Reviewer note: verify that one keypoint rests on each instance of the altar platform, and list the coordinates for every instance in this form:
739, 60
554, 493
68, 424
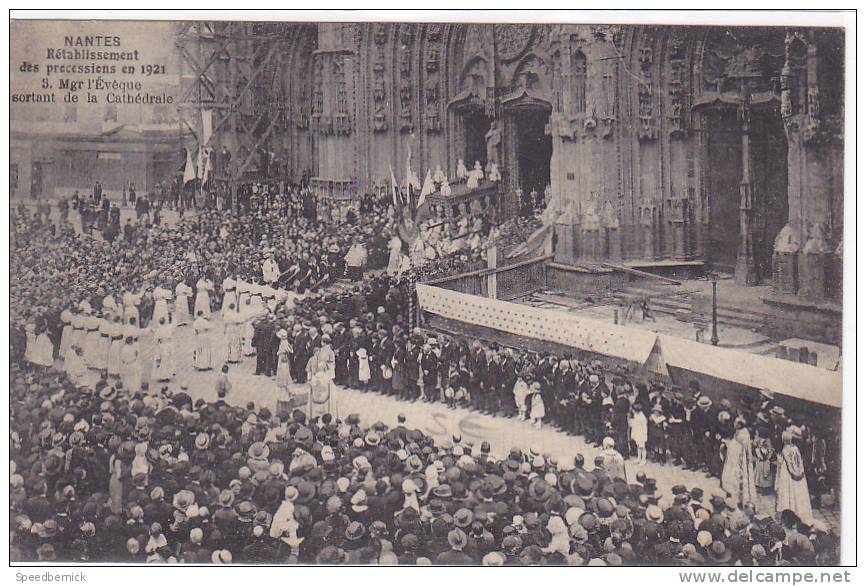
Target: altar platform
461, 195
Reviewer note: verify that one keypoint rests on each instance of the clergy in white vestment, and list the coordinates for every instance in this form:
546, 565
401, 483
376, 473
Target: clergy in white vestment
130, 366
202, 351
270, 269
163, 355
203, 287
116, 346
462, 173
182, 293
79, 331
738, 471
130, 308
284, 371
476, 176
230, 297
321, 397
326, 356
109, 303
439, 175
232, 321
160, 304
242, 288
257, 302
792, 490
614, 463
75, 367
103, 343
395, 248
269, 295
91, 341
65, 335
248, 316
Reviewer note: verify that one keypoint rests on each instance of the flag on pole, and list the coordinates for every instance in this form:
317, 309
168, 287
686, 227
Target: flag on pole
206, 125
427, 189
189, 170
393, 187
208, 167
411, 178
199, 163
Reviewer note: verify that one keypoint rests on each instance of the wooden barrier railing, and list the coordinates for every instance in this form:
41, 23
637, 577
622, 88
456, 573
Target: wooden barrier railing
512, 280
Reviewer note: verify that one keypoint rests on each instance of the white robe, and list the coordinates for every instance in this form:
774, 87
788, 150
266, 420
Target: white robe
115, 348
43, 350
91, 343
270, 271
537, 411
163, 355
234, 344
284, 373
321, 395
363, 367
202, 352
76, 369
521, 390
202, 298
738, 471
65, 343
160, 306
130, 368
248, 316
395, 246
639, 429
181, 304
230, 297
792, 489
103, 346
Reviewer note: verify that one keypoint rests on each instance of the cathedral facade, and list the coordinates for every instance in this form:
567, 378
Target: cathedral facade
658, 143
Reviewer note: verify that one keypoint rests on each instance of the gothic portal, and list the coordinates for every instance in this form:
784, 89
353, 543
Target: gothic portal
721, 145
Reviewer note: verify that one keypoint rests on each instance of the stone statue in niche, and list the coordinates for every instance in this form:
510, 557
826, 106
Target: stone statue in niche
493, 138
591, 220
609, 218
786, 241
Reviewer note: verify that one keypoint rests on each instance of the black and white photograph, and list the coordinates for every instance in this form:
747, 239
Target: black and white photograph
430, 290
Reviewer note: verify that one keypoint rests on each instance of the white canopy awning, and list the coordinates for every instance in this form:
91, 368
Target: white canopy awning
794, 379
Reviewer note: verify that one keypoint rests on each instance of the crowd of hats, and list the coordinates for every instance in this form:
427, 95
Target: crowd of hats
155, 477
56, 268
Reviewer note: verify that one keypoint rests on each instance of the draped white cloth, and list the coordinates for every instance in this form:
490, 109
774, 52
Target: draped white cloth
738, 472
792, 489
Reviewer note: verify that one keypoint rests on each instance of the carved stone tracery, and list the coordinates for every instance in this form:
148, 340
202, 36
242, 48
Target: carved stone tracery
380, 111
432, 81
512, 40
407, 39
647, 128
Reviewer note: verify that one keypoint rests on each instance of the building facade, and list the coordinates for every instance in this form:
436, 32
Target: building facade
66, 146
659, 143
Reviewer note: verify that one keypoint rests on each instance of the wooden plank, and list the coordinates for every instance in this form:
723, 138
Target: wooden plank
625, 269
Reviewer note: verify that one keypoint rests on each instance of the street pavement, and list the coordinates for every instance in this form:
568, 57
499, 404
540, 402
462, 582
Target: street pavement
435, 419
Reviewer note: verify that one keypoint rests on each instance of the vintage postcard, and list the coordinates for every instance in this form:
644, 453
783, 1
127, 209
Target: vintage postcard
417, 291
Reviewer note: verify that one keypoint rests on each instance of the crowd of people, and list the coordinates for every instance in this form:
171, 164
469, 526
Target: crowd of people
107, 475
124, 469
